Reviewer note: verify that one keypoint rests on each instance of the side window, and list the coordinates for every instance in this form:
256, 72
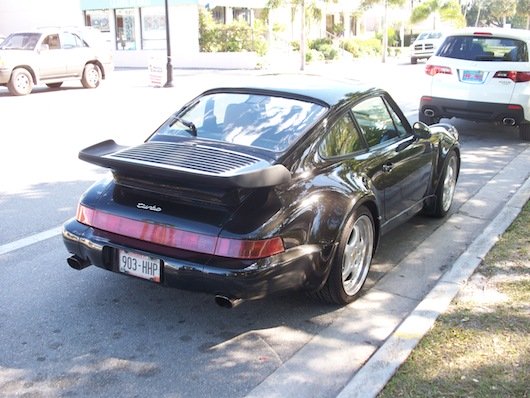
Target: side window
52, 41
343, 138
69, 40
376, 123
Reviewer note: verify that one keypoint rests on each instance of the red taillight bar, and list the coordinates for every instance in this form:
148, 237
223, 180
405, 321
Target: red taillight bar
515, 76
432, 70
173, 237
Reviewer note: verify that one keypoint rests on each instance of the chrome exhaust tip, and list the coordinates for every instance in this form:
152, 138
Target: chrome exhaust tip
227, 302
428, 112
78, 263
508, 121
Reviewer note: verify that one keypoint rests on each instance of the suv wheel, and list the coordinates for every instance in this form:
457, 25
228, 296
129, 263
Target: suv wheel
413, 60
21, 82
524, 132
91, 76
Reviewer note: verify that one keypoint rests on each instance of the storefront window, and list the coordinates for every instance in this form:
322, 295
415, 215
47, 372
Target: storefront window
126, 29
153, 28
98, 19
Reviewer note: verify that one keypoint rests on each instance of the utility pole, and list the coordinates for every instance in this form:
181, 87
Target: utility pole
385, 32
169, 66
302, 37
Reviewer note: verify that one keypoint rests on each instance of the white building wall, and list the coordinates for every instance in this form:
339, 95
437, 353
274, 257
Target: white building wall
18, 15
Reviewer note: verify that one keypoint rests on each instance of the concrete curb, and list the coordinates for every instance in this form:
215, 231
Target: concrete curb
380, 368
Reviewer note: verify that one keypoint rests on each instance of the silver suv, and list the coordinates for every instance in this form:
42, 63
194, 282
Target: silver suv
52, 56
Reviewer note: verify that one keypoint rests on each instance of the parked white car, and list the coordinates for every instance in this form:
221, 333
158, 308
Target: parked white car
425, 45
51, 56
480, 74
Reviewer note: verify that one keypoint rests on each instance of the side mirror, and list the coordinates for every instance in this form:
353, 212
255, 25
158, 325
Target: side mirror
44, 47
421, 130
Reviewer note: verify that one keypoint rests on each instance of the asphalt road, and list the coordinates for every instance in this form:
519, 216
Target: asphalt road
93, 333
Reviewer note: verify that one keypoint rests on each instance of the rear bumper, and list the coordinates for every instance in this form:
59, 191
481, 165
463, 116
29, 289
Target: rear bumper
472, 110
300, 268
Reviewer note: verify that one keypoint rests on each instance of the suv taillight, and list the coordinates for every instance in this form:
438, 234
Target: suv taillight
432, 70
517, 77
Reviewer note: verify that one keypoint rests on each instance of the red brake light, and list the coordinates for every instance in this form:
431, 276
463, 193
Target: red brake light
173, 237
482, 33
517, 77
432, 70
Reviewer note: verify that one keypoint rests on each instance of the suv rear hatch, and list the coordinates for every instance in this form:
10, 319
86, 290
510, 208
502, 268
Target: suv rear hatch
479, 68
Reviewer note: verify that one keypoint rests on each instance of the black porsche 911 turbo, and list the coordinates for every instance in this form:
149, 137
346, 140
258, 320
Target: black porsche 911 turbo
284, 183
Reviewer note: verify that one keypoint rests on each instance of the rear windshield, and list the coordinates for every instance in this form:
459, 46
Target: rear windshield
262, 121
481, 48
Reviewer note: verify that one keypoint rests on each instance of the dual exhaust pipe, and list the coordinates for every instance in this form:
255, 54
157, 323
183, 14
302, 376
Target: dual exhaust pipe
507, 121
428, 112
227, 302
78, 263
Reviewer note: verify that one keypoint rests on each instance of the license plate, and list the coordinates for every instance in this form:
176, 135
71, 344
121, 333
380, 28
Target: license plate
139, 265
473, 76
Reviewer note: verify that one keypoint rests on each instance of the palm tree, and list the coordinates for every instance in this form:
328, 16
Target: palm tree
447, 10
306, 8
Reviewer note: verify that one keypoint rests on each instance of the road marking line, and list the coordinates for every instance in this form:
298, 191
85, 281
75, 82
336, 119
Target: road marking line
30, 240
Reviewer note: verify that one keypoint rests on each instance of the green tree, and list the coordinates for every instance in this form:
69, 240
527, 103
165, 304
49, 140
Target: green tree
309, 10
523, 9
386, 3
502, 10
446, 10
493, 12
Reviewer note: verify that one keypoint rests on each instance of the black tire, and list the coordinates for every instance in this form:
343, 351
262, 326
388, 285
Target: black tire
21, 82
91, 76
524, 132
54, 85
352, 260
441, 204
413, 60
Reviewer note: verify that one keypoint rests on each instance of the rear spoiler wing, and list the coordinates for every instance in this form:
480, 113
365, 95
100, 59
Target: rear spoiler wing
186, 163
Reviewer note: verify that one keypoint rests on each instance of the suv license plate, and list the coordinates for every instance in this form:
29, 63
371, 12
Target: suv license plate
473, 76
139, 265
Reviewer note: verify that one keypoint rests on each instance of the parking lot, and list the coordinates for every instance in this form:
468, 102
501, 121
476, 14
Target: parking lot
92, 333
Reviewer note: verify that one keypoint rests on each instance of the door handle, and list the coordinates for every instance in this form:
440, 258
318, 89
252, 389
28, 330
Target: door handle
387, 168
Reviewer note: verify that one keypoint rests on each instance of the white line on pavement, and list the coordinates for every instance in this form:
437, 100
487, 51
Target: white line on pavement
30, 240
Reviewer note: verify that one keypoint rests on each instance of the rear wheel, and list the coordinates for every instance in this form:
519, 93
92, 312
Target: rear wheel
413, 60
21, 82
446, 188
91, 76
352, 260
524, 132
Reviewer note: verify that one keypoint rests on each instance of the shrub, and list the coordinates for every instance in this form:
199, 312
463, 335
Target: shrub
362, 47
313, 55
234, 37
325, 47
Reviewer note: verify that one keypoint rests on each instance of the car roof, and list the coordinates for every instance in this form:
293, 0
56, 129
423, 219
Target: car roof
328, 91
504, 32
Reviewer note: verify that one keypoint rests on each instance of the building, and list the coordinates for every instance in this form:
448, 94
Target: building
136, 29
